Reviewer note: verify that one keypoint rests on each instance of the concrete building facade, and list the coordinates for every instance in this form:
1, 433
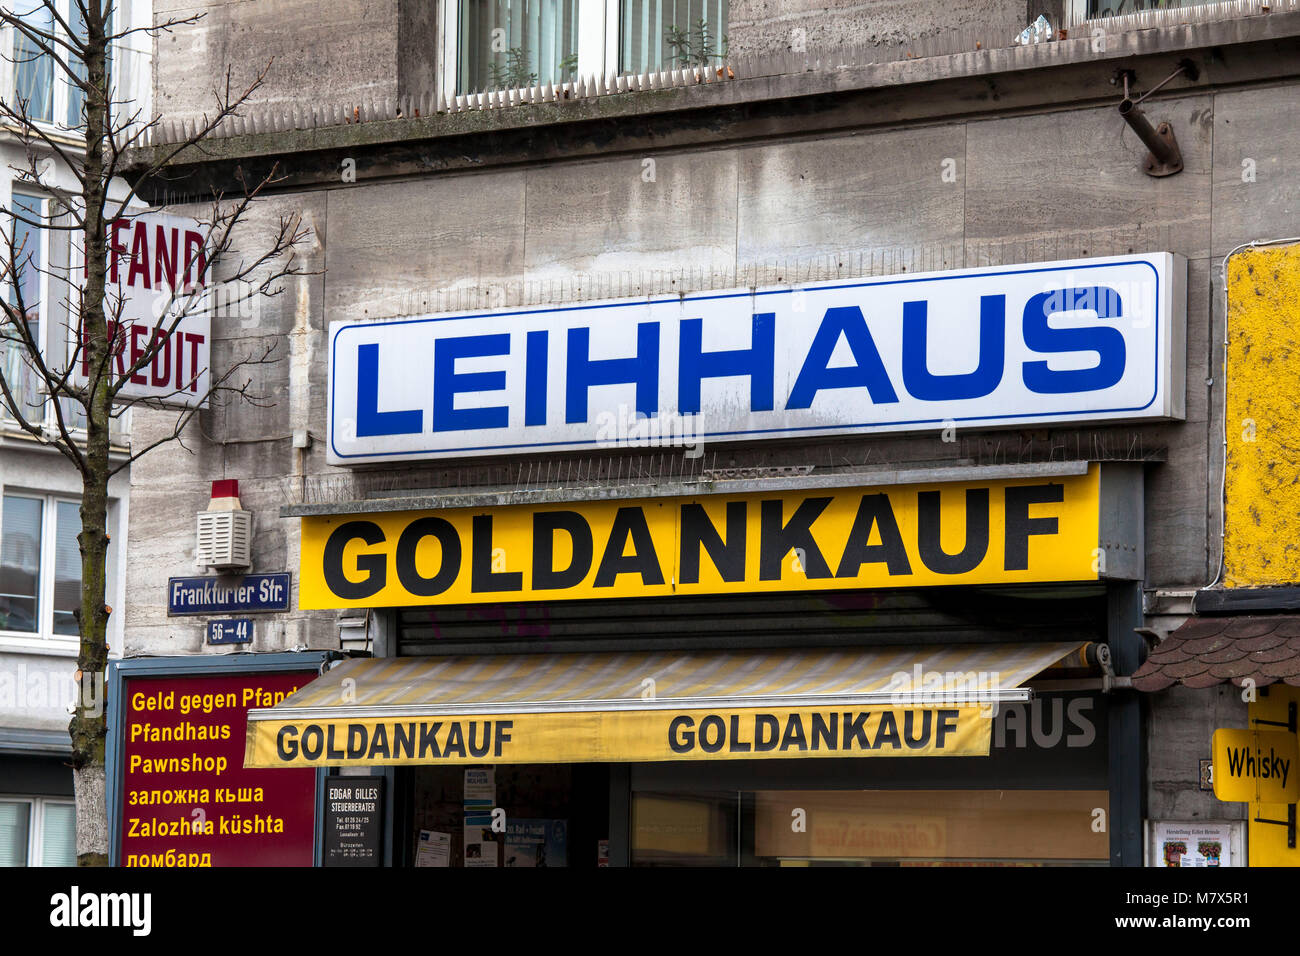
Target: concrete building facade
835, 142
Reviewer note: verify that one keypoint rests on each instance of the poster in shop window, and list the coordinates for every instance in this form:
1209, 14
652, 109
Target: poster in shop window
481, 846
536, 843
1192, 844
433, 849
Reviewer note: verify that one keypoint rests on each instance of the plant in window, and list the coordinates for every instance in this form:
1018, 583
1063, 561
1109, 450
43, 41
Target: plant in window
568, 67
694, 46
514, 73
1122, 7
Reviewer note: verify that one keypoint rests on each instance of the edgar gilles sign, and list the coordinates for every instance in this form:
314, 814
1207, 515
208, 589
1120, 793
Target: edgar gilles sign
1073, 341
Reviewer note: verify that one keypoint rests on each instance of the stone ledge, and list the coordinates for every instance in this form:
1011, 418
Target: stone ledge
823, 81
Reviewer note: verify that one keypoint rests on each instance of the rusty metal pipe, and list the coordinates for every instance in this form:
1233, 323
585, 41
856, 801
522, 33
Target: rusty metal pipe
1165, 157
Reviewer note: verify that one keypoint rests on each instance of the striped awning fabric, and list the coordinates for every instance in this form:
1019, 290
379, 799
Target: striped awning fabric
532, 683
403, 694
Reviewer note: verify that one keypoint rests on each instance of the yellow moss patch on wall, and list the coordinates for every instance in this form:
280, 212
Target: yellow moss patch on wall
1262, 496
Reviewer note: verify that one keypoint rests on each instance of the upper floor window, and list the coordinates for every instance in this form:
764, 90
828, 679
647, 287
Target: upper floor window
30, 257
508, 44
41, 268
1091, 9
515, 43
50, 95
33, 68
657, 35
40, 565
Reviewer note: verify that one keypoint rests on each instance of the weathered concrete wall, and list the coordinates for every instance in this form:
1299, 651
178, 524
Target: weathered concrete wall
783, 26
312, 53
1261, 545
1183, 721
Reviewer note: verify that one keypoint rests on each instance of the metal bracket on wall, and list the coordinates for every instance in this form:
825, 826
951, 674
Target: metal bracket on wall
1289, 822
1289, 723
1164, 158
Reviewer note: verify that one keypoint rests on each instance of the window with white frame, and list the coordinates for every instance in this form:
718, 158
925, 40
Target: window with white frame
38, 831
49, 95
40, 565
508, 44
1081, 10
41, 266
25, 294
27, 73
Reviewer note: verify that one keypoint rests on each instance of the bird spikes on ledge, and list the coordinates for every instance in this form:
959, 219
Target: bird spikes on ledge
967, 42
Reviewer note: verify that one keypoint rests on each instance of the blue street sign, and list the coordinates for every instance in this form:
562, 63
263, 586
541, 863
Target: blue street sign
227, 594
232, 631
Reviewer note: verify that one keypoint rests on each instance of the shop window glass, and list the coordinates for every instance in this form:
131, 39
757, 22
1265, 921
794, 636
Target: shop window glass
931, 827
870, 828
15, 820
697, 829
556, 815
648, 27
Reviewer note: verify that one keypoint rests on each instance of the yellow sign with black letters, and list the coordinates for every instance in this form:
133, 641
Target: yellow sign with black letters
628, 735
1256, 766
1004, 531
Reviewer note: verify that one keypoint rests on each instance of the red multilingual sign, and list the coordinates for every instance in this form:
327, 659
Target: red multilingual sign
186, 798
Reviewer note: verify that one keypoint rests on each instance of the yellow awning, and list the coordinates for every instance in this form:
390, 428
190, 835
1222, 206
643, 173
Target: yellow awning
617, 707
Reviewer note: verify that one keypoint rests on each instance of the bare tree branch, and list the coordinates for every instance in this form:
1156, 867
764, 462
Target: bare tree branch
78, 365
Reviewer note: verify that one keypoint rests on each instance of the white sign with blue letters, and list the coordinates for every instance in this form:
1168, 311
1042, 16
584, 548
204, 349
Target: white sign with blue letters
1085, 340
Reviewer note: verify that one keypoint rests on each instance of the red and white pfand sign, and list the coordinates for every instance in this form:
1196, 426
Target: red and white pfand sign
157, 289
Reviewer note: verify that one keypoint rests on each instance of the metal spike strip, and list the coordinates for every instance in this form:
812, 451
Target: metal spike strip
966, 41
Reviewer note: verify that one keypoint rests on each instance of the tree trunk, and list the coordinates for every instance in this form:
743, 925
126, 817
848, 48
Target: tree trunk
89, 727
92, 828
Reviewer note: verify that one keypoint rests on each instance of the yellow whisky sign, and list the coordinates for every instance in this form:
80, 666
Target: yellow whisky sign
1256, 766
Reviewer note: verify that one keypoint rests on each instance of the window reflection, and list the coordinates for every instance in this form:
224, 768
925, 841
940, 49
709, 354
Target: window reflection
870, 828
67, 568
20, 564
29, 264
509, 44
34, 69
